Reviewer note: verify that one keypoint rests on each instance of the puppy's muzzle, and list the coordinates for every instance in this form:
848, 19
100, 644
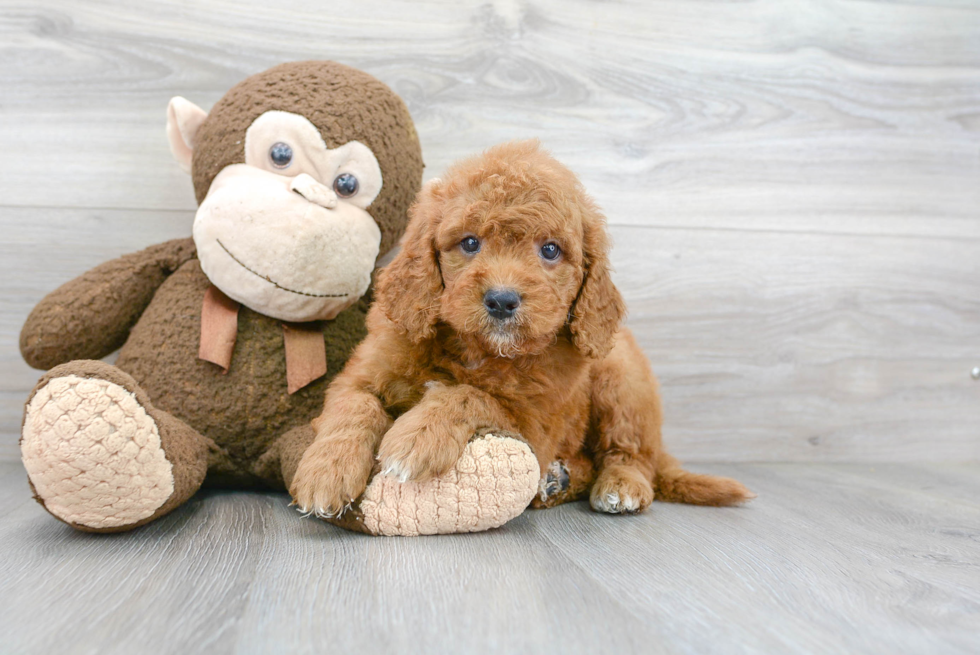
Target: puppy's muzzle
501, 303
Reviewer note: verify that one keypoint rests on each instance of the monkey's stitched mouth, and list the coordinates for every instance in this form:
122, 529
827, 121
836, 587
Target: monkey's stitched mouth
276, 284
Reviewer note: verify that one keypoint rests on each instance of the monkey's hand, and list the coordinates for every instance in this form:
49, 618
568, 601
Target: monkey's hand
91, 316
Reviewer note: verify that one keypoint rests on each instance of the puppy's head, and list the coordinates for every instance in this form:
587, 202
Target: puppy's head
508, 250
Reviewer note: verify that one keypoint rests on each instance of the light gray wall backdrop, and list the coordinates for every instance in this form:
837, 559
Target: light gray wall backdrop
793, 188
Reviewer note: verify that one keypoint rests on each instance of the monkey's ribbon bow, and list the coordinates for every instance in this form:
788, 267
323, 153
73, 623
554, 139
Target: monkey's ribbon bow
306, 353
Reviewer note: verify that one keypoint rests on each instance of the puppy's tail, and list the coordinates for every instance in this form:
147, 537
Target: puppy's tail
675, 485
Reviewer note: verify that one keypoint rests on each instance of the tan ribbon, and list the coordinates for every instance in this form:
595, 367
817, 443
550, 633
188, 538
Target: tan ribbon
219, 328
306, 352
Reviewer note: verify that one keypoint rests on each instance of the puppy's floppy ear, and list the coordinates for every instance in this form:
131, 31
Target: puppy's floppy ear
409, 288
599, 309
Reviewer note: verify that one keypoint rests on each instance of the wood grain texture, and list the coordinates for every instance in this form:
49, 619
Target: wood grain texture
792, 186
830, 558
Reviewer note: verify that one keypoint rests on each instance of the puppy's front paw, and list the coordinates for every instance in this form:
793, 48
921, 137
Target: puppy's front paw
420, 446
621, 490
331, 475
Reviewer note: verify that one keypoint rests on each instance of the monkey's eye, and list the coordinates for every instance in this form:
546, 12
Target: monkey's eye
281, 155
550, 251
470, 245
345, 185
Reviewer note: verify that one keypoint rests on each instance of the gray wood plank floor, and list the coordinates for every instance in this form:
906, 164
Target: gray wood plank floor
831, 558
792, 190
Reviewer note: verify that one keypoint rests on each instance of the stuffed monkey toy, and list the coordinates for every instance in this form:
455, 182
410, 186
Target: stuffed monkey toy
303, 176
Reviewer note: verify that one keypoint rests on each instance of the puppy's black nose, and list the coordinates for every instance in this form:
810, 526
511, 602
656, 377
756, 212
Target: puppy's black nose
501, 303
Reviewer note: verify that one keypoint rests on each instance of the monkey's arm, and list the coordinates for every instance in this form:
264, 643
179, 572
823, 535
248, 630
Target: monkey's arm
91, 316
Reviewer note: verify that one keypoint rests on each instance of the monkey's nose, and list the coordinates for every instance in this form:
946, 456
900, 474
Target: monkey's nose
307, 186
501, 303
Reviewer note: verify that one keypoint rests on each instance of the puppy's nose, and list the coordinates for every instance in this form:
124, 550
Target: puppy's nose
501, 303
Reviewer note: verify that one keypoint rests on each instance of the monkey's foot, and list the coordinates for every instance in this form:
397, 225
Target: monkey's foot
493, 481
93, 454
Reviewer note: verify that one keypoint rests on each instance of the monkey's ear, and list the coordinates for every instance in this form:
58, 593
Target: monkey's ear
184, 118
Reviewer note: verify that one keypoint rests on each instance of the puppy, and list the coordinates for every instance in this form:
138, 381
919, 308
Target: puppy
499, 312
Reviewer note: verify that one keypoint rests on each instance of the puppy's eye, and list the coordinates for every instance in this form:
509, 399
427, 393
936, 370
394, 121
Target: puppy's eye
281, 155
550, 251
470, 245
345, 185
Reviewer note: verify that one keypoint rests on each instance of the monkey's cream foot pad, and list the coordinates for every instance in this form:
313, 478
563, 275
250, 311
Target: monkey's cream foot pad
492, 482
93, 454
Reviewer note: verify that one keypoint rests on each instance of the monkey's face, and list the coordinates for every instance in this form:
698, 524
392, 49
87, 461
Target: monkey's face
287, 233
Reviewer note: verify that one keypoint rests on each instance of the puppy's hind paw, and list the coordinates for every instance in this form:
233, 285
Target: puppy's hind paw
613, 503
621, 490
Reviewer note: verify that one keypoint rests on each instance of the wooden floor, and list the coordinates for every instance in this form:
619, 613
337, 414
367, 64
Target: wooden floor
793, 191
829, 559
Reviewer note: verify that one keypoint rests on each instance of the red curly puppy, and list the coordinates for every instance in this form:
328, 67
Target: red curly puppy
500, 312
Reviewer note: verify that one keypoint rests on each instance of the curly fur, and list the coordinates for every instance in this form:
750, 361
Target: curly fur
436, 366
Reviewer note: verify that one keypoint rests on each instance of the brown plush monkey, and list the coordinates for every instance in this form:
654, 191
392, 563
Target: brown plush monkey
303, 175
